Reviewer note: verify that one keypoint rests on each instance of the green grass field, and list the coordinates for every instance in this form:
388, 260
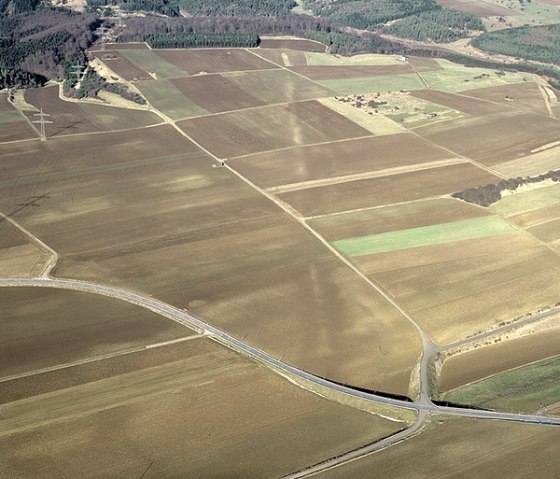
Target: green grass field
527, 201
380, 83
455, 78
149, 61
322, 59
525, 389
424, 236
167, 98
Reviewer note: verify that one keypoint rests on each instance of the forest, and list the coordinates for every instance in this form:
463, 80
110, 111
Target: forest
440, 25
541, 43
174, 8
368, 14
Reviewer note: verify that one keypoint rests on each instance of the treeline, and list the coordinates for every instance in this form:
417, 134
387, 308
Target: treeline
440, 25
199, 40
173, 8
274, 8
163, 7
540, 43
490, 194
34, 45
368, 14
336, 38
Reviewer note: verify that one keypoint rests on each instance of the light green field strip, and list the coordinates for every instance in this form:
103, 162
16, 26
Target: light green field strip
324, 59
92, 170
424, 236
10, 117
455, 78
527, 201
166, 97
525, 389
149, 61
376, 124
380, 83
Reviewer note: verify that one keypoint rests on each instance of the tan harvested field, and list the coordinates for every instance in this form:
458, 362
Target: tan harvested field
123, 67
461, 369
525, 95
244, 265
287, 44
386, 190
44, 327
215, 93
463, 448
191, 409
536, 217
500, 137
471, 106
533, 164
264, 129
331, 160
479, 7
438, 284
214, 60
70, 117
327, 72
18, 257
394, 218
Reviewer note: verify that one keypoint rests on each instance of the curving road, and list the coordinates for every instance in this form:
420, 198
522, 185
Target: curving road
176, 314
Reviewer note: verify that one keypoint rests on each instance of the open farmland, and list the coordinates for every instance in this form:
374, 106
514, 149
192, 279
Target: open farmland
462, 448
12, 124
74, 117
436, 268
265, 129
132, 389
408, 186
481, 8
120, 65
214, 61
18, 256
130, 220
500, 137
298, 165
310, 232
530, 388
497, 355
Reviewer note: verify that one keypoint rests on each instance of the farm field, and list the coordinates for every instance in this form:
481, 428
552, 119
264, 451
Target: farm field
265, 129
379, 191
239, 253
316, 228
120, 65
74, 117
12, 124
185, 406
461, 448
436, 268
332, 160
18, 256
496, 355
501, 137
530, 388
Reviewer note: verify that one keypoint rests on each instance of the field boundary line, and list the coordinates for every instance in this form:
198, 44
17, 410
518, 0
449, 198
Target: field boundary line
100, 357
309, 145
54, 256
310, 184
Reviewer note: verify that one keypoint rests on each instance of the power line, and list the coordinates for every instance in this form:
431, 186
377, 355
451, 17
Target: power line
42, 121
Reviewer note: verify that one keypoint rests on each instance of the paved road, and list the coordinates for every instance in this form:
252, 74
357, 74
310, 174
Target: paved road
422, 405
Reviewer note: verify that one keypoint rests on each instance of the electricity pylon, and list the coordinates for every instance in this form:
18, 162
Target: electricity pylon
42, 122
